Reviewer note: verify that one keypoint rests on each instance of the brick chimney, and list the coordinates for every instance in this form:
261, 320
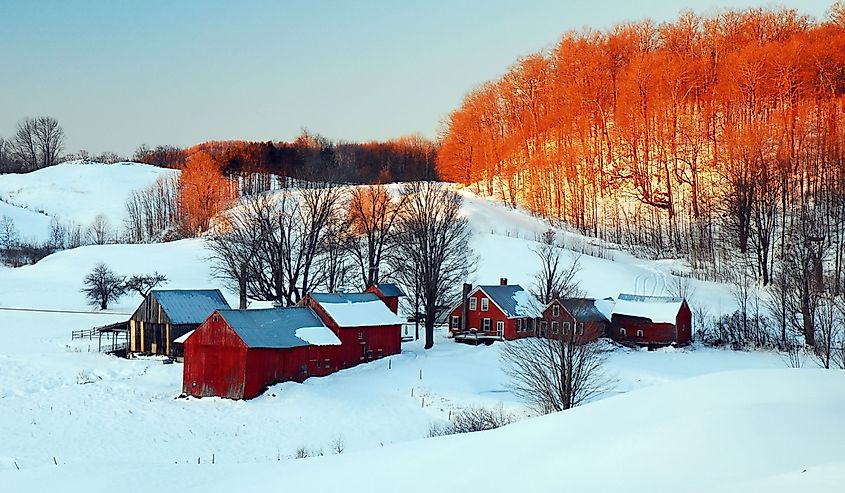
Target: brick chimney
503, 281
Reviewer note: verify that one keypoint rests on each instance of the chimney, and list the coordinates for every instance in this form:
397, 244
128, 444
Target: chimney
503, 281
374, 274
465, 306
555, 295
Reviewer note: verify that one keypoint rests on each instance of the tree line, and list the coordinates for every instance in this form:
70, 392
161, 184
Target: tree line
718, 139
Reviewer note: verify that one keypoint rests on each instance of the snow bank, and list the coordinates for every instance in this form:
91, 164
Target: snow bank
318, 336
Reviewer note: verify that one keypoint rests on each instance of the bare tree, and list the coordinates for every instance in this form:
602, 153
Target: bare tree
433, 246
555, 374
372, 212
144, 283
102, 286
555, 277
38, 142
100, 231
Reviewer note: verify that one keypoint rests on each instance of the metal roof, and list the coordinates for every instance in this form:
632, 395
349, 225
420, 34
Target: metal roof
272, 327
189, 306
583, 309
344, 297
389, 289
513, 300
658, 309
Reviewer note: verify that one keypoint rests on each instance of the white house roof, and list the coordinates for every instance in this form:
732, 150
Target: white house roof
658, 309
356, 309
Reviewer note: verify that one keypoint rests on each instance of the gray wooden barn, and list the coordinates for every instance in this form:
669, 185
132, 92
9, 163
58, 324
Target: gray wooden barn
167, 314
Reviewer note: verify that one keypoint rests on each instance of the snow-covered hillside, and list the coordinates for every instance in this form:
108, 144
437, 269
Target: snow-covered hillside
671, 421
72, 192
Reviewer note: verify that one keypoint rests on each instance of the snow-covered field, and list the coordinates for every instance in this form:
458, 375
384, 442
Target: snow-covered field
675, 420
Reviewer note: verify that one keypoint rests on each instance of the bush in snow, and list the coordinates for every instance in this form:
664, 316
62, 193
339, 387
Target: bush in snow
470, 420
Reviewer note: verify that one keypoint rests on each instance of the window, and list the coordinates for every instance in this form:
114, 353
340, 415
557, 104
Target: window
580, 328
622, 331
485, 304
565, 328
543, 328
216, 317
556, 310
456, 322
360, 336
485, 324
473, 303
500, 328
639, 333
328, 364
554, 327
519, 322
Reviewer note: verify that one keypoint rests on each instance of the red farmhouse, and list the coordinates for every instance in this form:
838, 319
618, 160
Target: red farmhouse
238, 353
366, 327
651, 320
387, 292
504, 311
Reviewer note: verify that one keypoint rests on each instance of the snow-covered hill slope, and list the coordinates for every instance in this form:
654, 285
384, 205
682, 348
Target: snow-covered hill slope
75, 191
773, 431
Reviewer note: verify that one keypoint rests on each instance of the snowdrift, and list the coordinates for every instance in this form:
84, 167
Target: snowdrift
764, 430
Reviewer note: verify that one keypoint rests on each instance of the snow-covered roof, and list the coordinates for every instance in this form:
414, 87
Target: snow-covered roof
389, 289
184, 337
513, 300
277, 328
318, 336
356, 309
190, 306
658, 309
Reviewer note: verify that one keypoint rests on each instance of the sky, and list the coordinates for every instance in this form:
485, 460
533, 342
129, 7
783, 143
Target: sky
118, 74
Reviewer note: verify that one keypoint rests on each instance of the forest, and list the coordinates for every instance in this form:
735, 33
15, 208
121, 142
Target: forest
717, 139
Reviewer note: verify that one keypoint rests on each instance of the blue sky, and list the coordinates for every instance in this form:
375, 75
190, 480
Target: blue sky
117, 74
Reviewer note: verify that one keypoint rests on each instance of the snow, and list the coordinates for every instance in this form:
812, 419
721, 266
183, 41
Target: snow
657, 312
362, 313
184, 337
77, 191
318, 336
670, 419
527, 305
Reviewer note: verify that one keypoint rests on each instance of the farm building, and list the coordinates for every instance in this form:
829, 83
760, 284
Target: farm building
366, 327
389, 293
495, 312
238, 353
167, 314
580, 315
651, 320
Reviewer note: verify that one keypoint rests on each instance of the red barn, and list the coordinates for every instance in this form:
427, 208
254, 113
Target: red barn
651, 320
389, 293
496, 312
580, 315
366, 327
238, 353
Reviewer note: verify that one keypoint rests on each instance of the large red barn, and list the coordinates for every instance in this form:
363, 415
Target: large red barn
503, 311
651, 320
238, 353
366, 327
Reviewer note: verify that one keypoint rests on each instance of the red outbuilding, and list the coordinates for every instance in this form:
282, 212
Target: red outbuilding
366, 327
388, 292
651, 320
580, 315
238, 353
496, 312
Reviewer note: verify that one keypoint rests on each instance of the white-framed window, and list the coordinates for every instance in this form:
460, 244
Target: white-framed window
554, 327
622, 331
500, 328
456, 322
555, 310
580, 328
519, 322
473, 303
566, 328
485, 324
360, 336
485, 304
216, 317
639, 333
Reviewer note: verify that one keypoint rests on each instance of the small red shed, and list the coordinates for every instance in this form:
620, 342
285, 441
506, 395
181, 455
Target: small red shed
389, 293
366, 327
238, 353
651, 320
503, 311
